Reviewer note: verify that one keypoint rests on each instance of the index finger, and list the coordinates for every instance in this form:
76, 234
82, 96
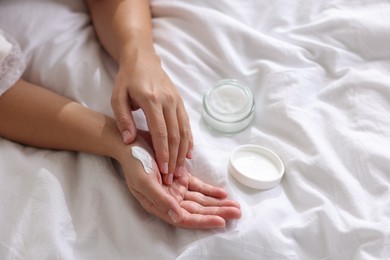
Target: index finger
158, 131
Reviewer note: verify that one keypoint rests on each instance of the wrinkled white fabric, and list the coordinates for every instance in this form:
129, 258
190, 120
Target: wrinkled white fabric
11, 62
319, 72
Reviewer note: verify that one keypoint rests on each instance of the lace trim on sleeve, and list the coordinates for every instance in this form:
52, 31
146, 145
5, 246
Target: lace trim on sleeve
11, 66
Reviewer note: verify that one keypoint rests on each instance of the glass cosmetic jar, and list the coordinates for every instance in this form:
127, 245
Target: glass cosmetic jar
228, 106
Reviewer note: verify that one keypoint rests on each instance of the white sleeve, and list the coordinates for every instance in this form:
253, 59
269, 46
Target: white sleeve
12, 63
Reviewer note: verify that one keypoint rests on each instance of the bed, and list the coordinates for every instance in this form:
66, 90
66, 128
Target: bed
319, 72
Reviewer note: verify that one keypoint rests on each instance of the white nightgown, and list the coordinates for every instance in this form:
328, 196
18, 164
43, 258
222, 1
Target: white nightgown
12, 63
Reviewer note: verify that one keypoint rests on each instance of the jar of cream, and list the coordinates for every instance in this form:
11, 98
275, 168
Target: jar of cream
228, 106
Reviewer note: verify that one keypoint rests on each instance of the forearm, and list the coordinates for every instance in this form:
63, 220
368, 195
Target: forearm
35, 116
125, 30
123, 26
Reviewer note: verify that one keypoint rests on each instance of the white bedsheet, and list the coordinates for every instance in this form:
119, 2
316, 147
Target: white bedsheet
319, 71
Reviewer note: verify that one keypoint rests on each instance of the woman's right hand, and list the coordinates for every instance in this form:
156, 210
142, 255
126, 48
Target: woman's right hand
141, 83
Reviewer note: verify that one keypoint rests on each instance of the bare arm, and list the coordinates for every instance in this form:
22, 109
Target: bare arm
125, 30
35, 116
122, 26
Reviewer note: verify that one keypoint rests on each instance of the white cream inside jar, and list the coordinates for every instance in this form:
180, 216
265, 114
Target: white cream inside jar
228, 106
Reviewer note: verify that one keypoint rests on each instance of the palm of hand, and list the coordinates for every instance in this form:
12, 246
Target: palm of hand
188, 202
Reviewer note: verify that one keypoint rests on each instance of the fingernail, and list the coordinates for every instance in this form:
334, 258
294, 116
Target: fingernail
170, 178
189, 154
172, 215
126, 135
180, 171
165, 168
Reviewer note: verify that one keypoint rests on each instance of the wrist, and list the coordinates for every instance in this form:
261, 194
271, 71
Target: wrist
123, 153
135, 53
111, 141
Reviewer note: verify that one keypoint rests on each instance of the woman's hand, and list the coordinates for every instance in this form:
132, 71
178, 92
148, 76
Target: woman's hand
188, 202
142, 83
125, 30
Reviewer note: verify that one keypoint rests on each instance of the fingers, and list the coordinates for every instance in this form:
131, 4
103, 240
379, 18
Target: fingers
186, 140
165, 114
197, 217
158, 131
156, 201
200, 221
208, 201
203, 198
174, 138
225, 212
185, 209
199, 186
171, 136
192, 215
123, 116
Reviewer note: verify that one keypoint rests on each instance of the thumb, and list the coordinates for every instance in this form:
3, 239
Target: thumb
124, 119
128, 129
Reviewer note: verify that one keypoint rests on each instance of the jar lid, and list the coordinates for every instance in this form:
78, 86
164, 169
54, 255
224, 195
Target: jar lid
256, 166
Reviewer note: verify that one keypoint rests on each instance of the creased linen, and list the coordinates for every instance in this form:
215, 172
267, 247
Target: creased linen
319, 72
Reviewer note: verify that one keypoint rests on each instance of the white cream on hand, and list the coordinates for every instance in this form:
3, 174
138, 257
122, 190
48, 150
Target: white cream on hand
144, 157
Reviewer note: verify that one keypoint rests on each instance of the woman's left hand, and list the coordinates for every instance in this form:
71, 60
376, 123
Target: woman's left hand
187, 203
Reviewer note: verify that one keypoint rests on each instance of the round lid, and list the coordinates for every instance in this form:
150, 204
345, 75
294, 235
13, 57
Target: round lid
256, 166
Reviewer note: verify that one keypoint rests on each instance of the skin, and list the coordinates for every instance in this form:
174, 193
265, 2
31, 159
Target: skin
35, 116
125, 30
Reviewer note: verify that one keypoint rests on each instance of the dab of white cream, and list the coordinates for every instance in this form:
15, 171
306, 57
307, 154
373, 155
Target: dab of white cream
144, 157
